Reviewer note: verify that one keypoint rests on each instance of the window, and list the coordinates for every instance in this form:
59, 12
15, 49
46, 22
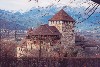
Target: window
34, 42
72, 30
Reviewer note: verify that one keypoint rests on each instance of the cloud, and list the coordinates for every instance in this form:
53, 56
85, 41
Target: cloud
25, 5
15, 5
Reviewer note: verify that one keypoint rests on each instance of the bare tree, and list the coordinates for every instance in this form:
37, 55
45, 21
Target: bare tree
8, 49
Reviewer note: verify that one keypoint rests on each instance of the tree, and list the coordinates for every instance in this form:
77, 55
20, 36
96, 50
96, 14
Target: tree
7, 49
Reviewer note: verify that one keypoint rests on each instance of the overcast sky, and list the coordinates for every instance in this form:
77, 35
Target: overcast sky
25, 5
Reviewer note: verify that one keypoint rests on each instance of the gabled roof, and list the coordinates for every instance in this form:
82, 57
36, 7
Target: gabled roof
61, 15
45, 30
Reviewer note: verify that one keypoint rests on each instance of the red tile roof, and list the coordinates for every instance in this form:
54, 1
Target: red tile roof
45, 30
61, 15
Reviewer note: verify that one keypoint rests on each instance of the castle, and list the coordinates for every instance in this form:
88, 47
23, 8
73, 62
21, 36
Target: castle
60, 30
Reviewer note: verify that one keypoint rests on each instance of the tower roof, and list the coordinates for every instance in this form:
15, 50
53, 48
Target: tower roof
61, 15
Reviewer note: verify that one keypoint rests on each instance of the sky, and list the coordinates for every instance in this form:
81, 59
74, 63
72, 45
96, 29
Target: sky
26, 5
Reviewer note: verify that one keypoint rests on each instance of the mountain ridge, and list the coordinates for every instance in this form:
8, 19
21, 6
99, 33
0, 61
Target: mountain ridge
36, 16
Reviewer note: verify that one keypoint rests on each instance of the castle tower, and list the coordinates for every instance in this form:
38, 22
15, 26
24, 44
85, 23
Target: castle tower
65, 24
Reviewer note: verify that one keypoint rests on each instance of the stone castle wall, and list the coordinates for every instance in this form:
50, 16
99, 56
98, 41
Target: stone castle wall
67, 31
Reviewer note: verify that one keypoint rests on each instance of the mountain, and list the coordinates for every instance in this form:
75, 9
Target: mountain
10, 25
37, 16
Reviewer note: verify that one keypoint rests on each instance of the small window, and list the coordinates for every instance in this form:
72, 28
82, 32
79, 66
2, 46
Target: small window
21, 49
34, 42
72, 30
51, 44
